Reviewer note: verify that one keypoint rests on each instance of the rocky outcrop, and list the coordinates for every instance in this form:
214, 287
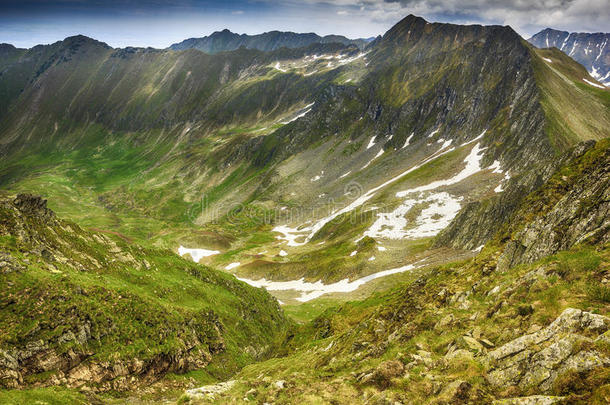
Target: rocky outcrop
210, 391
76, 367
479, 221
537, 359
582, 213
33, 206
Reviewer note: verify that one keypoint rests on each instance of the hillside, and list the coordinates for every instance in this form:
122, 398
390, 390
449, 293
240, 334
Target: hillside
225, 40
92, 310
592, 50
525, 322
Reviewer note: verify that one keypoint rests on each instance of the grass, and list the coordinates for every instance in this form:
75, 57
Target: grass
575, 111
137, 302
43, 396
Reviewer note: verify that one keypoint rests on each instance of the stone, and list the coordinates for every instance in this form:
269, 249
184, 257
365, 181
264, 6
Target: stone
486, 343
494, 290
444, 322
470, 343
538, 358
456, 392
459, 354
383, 374
531, 400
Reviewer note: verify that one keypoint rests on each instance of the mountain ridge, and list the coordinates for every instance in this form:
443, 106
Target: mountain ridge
225, 40
592, 50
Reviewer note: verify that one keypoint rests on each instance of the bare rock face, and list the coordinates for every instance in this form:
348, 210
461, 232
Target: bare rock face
32, 205
582, 213
537, 359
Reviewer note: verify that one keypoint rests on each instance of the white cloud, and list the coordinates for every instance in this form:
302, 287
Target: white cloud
526, 17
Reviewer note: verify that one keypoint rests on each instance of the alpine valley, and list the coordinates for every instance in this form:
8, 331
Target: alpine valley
421, 217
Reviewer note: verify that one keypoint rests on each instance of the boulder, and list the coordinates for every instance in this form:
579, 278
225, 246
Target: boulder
456, 392
537, 359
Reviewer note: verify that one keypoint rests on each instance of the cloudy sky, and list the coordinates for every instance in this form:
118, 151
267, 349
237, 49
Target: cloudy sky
159, 23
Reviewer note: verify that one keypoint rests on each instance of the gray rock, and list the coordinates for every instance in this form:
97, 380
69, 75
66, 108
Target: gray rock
531, 400
537, 359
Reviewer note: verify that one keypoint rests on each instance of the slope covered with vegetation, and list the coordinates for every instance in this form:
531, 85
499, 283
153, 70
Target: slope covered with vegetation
475, 331
82, 308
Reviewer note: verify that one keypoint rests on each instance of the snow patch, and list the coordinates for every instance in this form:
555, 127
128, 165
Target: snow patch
594, 84
196, 254
283, 253
232, 266
278, 67
303, 113
310, 291
548, 60
371, 161
442, 208
495, 168
434, 133
371, 143
408, 140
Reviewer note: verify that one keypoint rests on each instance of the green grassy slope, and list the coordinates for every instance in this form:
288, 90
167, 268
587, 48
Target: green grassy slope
75, 300
575, 110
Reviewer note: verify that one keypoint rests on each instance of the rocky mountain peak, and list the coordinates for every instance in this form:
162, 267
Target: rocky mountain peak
405, 27
592, 50
77, 41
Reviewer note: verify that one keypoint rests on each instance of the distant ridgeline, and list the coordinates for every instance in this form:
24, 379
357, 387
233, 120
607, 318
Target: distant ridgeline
592, 50
226, 40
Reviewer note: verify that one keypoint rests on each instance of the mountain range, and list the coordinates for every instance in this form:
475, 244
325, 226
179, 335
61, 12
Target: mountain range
225, 40
427, 212
592, 50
